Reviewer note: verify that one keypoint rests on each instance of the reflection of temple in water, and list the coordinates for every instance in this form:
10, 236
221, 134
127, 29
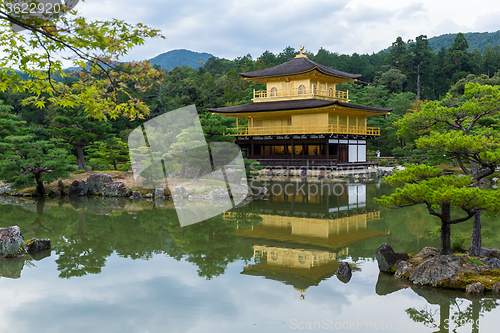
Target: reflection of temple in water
305, 232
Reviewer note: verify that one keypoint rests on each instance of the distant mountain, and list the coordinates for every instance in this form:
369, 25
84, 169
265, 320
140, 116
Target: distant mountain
171, 59
476, 40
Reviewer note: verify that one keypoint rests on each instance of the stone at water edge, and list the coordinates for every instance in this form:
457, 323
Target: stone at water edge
487, 252
403, 267
159, 193
78, 188
474, 288
136, 195
436, 270
344, 270
36, 244
114, 189
492, 262
182, 191
96, 181
387, 258
218, 194
54, 192
11, 242
425, 254
496, 287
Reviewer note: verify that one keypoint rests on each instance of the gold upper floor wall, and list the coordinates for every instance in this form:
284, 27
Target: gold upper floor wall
301, 87
308, 123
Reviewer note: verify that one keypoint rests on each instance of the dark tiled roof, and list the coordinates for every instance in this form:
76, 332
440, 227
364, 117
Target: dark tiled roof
297, 66
292, 105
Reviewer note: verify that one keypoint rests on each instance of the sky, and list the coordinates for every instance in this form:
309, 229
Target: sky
233, 28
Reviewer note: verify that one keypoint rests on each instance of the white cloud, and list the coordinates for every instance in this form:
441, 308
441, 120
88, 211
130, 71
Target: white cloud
234, 28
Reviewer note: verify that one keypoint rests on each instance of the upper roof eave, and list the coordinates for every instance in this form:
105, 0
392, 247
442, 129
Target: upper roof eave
298, 66
277, 106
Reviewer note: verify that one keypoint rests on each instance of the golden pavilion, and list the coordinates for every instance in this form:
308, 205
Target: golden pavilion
302, 119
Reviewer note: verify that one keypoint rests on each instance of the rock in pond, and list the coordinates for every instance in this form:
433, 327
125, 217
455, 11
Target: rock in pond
403, 269
486, 252
218, 194
159, 193
36, 245
425, 254
387, 258
474, 288
496, 287
97, 181
136, 195
114, 189
435, 270
78, 188
182, 191
344, 270
54, 192
492, 262
11, 242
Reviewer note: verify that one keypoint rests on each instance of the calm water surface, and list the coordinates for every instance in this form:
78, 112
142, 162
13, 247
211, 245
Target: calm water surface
119, 266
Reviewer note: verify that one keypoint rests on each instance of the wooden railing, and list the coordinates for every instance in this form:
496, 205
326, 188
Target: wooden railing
319, 129
269, 95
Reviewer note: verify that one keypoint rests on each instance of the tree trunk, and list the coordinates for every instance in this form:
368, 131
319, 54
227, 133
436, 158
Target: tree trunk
81, 156
475, 244
445, 238
39, 183
445, 229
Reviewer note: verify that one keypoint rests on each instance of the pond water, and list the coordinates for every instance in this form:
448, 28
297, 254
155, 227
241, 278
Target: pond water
123, 266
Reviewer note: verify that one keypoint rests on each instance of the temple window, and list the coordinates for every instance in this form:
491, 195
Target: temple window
314, 89
302, 89
330, 92
274, 92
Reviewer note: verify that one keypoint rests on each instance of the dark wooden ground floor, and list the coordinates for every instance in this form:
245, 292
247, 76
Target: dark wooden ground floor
306, 151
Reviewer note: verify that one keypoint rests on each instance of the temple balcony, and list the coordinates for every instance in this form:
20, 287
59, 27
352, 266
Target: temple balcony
317, 129
300, 93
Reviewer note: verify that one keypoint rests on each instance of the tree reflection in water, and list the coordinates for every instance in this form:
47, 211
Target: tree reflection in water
85, 231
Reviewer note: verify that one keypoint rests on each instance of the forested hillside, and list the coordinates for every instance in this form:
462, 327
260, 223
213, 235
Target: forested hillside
174, 58
476, 40
409, 73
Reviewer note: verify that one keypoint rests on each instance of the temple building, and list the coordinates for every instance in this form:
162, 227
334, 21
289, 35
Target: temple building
302, 119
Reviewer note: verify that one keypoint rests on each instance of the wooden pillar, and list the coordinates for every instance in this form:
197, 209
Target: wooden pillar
251, 148
237, 123
327, 147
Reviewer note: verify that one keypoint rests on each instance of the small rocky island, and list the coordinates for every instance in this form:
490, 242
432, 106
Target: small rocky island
454, 271
12, 244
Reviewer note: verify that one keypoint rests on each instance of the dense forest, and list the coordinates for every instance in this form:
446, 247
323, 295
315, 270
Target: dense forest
400, 78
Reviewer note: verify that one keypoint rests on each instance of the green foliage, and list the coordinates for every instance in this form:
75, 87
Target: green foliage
77, 172
113, 153
76, 128
103, 86
26, 161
